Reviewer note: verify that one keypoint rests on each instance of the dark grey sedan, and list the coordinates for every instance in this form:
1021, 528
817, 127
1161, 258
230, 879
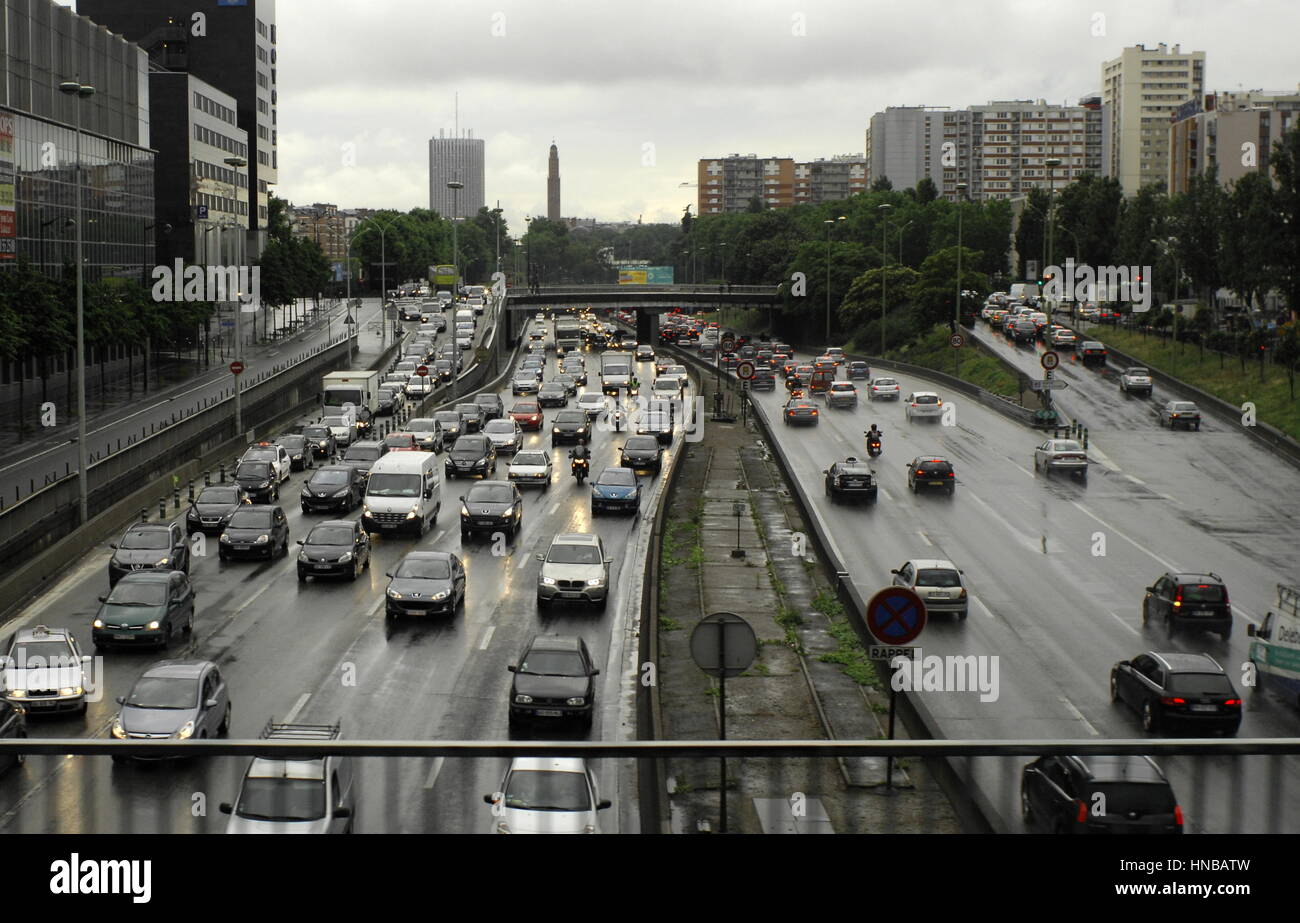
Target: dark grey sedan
174, 700
424, 583
334, 548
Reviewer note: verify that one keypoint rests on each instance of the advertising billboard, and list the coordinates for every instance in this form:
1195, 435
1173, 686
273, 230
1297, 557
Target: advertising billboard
650, 275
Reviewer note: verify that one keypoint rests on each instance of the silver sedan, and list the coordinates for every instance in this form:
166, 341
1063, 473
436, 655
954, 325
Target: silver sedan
1061, 455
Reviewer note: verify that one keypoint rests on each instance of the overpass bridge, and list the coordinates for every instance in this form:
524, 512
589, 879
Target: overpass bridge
647, 301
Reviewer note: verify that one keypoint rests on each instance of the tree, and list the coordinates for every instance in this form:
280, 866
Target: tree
1285, 161
933, 291
754, 206
1032, 232
1249, 236
1198, 215
881, 184
1087, 220
926, 191
1142, 220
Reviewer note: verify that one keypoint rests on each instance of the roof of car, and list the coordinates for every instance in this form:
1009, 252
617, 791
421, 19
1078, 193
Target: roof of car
1120, 768
178, 669
160, 576
548, 764
1188, 577
555, 643
428, 555
44, 632
149, 527
1180, 662
932, 564
576, 538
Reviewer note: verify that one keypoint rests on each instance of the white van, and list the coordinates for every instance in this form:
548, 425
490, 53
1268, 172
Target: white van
1275, 645
403, 494
465, 316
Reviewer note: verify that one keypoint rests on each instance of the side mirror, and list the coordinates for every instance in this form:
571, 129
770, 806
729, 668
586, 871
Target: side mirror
488, 799
210, 703
1124, 663
113, 546
1250, 630
121, 700
299, 541
388, 573
541, 557
609, 559
103, 599
86, 658
225, 808
1151, 589
513, 668
595, 672
340, 813
894, 570
602, 804
461, 498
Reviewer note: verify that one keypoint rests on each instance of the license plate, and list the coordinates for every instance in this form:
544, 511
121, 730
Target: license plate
936, 595
548, 713
241, 547
123, 637
570, 594
936, 483
414, 611
1204, 708
1204, 612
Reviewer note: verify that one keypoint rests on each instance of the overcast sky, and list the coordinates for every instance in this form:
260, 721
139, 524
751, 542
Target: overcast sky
706, 78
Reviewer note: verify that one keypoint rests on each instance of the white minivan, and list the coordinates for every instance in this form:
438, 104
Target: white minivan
1275, 645
403, 494
465, 316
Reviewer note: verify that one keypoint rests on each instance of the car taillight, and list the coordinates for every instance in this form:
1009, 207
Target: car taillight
1178, 600
1178, 815
1172, 700
1082, 816
1232, 703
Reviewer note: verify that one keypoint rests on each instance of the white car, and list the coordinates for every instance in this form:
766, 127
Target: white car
593, 402
884, 388
1135, 380
343, 429
1061, 455
419, 386
679, 372
44, 671
406, 367
505, 434
277, 455
531, 467
547, 794
666, 388
923, 405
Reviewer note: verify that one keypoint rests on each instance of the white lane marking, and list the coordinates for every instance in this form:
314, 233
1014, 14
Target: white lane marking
976, 601
437, 538
1135, 480
925, 538
252, 599
1094, 452
886, 494
554, 506
1136, 544
1078, 714
297, 707
436, 768
1025, 471
487, 638
1117, 617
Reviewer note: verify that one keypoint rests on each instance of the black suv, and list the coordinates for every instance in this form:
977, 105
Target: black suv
931, 472
1098, 794
471, 455
335, 548
1189, 601
1173, 689
333, 487
851, 478
149, 546
255, 532
451, 424
471, 416
570, 426
258, 480
554, 679
213, 506
492, 506
764, 380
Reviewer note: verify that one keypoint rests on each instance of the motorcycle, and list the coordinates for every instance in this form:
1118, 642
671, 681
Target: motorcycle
580, 467
873, 445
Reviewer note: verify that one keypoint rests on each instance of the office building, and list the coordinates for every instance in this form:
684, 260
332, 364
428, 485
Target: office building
553, 185
460, 160
1140, 92
1229, 132
236, 54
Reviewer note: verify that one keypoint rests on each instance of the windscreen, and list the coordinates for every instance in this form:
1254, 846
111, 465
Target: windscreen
552, 663
617, 477
489, 493
153, 539
1200, 684
218, 495
424, 569
260, 470
574, 554
328, 478
547, 791
393, 485
938, 578
422, 425
282, 799
164, 692
330, 535
250, 519
530, 458
131, 593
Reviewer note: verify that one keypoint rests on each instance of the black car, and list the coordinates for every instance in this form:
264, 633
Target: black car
570, 426
451, 424
931, 473
148, 607
472, 455
1098, 794
300, 456
553, 394
258, 480
334, 548
1189, 691
472, 417
492, 405
149, 545
859, 370
1198, 601
333, 487
322, 441
255, 532
763, 380
362, 455
554, 679
387, 402
212, 507
425, 583
642, 453
851, 478
492, 506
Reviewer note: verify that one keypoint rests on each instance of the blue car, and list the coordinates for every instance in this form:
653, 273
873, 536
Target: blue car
615, 489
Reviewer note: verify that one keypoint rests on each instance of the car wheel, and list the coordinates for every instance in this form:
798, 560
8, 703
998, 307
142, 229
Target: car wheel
356, 569
1150, 721
275, 494
952, 488
188, 627
543, 603
224, 727
221, 555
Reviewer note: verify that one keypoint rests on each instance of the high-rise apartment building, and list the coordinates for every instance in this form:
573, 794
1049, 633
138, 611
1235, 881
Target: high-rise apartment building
461, 160
236, 54
553, 185
904, 144
1140, 92
1230, 132
832, 180
732, 183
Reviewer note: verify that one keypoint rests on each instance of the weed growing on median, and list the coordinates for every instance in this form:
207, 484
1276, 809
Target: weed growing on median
669, 624
848, 652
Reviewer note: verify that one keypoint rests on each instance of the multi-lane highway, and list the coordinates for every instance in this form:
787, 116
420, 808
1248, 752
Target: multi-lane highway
320, 652
1056, 568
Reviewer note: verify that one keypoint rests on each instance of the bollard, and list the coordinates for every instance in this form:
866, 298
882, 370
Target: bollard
144, 514
191, 490
1085, 437
162, 508
207, 479
223, 473
176, 498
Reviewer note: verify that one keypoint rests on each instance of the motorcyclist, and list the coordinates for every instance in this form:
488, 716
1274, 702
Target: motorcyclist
873, 434
633, 385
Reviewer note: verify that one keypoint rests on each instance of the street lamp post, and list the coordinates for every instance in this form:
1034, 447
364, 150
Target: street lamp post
81, 91
455, 186
1051, 163
884, 269
830, 223
235, 163
956, 320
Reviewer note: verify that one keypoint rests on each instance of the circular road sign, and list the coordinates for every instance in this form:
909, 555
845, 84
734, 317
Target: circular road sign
723, 644
481, 354
236, 367
745, 370
1050, 360
895, 615
422, 370
728, 344
956, 341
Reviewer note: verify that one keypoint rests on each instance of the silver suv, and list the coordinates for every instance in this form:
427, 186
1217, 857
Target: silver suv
574, 568
307, 795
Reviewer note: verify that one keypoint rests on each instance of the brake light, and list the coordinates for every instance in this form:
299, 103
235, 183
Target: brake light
1178, 815
1178, 600
1232, 703
1082, 816
1173, 700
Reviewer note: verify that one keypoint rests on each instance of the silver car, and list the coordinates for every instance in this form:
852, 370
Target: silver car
531, 468
883, 389
505, 435
547, 794
1061, 455
575, 567
174, 700
295, 795
923, 405
1136, 380
939, 584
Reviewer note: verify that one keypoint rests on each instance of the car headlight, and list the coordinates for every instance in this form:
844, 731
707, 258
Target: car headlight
302, 557
575, 700
555, 429
347, 556
17, 693
262, 540
98, 623
595, 581
393, 594
162, 562
263, 485
503, 827
72, 690
225, 539
154, 625
522, 699
185, 731
296, 457
192, 513
118, 731
549, 581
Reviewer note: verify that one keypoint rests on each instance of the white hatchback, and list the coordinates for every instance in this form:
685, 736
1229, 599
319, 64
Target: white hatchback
923, 405
547, 795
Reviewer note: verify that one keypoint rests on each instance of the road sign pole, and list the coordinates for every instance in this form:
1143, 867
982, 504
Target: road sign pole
722, 726
889, 761
239, 355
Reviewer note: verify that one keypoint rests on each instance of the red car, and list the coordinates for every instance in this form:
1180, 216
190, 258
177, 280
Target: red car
528, 414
